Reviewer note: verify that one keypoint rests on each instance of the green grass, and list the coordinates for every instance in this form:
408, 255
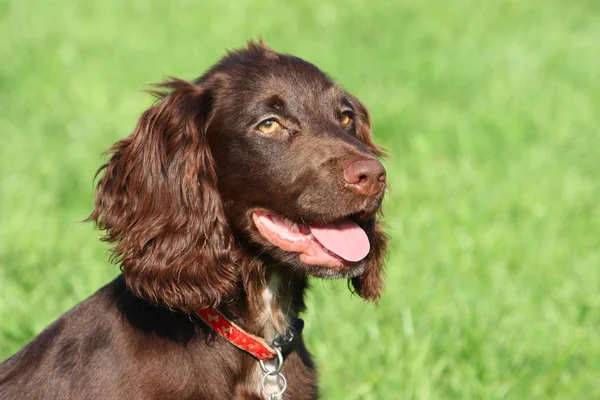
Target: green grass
491, 113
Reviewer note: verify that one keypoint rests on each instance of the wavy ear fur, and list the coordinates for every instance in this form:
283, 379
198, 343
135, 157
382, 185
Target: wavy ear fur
363, 127
370, 284
158, 203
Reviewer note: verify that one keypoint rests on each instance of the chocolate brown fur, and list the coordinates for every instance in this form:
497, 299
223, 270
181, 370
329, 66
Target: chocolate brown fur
175, 200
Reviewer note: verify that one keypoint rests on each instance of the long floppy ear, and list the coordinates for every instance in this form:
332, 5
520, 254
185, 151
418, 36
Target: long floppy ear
369, 285
158, 203
363, 127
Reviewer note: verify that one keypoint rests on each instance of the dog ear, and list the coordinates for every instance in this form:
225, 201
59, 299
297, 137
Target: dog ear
370, 284
159, 206
363, 127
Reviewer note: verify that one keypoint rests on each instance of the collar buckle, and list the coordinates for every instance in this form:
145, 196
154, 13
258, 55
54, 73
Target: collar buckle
270, 357
285, 340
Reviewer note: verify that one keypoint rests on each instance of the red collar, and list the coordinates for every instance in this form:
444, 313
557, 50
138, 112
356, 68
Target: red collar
245, 341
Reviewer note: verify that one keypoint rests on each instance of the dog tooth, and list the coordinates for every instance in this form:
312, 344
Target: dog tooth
295, 227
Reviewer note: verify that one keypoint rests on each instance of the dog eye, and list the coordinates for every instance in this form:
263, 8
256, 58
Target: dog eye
269, 126
346, 118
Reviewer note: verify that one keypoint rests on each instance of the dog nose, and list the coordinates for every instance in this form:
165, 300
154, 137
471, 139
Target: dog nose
365, 176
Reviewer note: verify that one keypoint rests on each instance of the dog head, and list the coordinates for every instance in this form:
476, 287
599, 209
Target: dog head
264, 155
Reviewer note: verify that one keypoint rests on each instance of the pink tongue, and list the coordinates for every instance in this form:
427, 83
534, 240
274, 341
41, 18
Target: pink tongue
345, 238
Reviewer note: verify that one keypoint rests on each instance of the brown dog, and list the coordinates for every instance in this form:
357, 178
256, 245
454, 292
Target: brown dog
231, 191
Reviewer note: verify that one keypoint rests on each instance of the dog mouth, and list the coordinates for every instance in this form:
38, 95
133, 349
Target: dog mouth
330, 245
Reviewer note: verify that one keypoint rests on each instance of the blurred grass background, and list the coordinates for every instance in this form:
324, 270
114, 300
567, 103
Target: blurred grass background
490, 111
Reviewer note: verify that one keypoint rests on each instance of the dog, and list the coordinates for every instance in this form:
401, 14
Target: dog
232, 190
